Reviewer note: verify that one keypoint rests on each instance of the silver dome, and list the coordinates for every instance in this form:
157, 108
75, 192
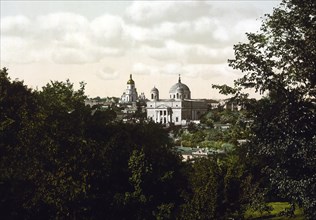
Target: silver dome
154, 89
179, 85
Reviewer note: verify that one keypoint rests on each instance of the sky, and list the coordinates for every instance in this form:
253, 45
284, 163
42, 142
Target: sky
103, 42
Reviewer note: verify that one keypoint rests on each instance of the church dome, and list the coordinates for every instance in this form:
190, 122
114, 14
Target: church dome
179, 85
154, 89
130, 81
180, 89
154, 94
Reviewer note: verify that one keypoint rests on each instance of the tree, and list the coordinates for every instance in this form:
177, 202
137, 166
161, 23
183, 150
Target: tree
215, 189
19, 116
279, 61
204, 200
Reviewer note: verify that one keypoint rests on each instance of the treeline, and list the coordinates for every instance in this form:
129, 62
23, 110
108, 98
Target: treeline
59, 159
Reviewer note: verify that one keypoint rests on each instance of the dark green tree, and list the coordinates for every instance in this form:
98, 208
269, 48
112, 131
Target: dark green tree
203, 202
58, 160
19, 117
279, 61
215, 189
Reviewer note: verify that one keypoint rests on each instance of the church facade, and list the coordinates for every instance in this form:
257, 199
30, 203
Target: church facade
130, 94
178, 109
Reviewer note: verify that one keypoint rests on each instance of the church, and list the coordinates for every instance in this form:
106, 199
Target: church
130, 94
178, 109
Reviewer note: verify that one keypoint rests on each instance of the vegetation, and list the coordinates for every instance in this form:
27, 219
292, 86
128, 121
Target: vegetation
60, 159
276, 212
279, 62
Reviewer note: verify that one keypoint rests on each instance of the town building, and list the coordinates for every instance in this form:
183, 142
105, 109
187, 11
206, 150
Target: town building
192, 153
130, 94
178, 109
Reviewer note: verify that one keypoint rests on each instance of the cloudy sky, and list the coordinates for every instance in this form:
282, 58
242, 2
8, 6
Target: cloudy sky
102, 42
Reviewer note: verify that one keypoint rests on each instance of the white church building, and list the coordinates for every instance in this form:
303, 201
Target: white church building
130, 94
178, 109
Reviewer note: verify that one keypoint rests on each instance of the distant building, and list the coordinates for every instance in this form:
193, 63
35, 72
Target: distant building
98, 102
178, 109
190, 153
130, 94
142, 97
226, 104
231, 105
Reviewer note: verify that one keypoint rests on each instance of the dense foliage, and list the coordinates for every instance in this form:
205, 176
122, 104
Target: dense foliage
59, 160
280, 62
62, 159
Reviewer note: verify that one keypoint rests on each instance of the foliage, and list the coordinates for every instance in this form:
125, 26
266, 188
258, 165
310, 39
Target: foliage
205, 184
59, 160
216, 187
279, 61
276, 208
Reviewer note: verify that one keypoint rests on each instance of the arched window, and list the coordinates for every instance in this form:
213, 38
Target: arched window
152, 96
177, 95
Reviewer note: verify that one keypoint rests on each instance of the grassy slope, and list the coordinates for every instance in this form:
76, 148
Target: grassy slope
274, 214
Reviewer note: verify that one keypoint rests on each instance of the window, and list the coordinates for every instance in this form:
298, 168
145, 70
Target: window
152, 96
177, 119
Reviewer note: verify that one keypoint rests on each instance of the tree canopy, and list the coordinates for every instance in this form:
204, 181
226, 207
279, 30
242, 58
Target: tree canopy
60, 159
279, 62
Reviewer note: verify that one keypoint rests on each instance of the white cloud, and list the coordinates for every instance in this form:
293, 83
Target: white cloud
204, 71
144, 69
193, 32
205, 35
14, 49
151, 13
111, 31
188, 53
107, 73
15, 25
62, 38
61, 23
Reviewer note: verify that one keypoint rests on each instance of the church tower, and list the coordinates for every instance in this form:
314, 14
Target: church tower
130, 94
154, 94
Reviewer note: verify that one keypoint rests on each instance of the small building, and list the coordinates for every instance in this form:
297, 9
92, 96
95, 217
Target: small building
190, 153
